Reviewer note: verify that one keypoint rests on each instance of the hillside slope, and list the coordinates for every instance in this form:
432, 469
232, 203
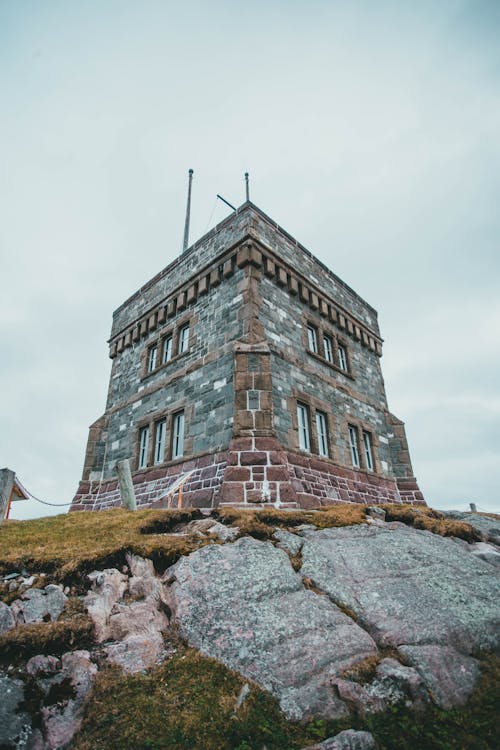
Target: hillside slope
242, 630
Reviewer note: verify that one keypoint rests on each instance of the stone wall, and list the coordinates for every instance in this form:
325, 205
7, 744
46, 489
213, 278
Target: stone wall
248, 292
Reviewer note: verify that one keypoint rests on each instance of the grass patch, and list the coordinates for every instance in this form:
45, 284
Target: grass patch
77, 543
262, 524
186, 703
73, 630
431, 520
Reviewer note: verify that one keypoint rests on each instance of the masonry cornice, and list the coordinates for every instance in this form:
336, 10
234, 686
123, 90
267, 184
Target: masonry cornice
247, 250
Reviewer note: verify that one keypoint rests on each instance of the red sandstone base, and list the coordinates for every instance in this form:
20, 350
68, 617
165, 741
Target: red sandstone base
253, 473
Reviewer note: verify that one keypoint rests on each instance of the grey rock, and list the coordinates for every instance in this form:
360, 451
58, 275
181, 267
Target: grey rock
488, 552
244, 605
15, 725
407, 587
135, 625
374, 511
487, 526
450, 677
7, 619
37, 605
44, 665
62, 720
108, 587
140, 566
350, 739
393, 683
136, 653
11, 576
214, 528
291, 543
242, 696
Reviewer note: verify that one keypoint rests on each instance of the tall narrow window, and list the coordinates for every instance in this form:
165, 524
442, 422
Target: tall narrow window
342, 357
184, 339
152, 358
322, 430
312, 339
160, 430
143, 447
303, 422
178, 435
328, 349
167, 349
353, 445
367, 445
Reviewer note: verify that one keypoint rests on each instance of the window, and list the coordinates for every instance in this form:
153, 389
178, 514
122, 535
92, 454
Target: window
367, 445
312, 339
143, 447
328, 348
178, 435
152, 358
184, 339
303, 422
353, 445
167, 349
322, 430
342, 353
160, 430
253, 400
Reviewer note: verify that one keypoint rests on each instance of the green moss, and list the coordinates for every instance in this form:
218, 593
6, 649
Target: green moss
19, 644
186, 703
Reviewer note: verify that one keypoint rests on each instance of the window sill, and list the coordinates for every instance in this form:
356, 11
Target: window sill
332, 365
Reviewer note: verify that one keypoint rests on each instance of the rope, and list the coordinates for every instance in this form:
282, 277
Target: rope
43, 502
211, 216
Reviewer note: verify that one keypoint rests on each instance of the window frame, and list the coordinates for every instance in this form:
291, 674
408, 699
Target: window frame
183, 342
152, 358
342, 359
304, 426
168, 340
353, 436
367, 440
312, 338
328, 348
321, 417
174, 451
324, 344
143, 447
160, 441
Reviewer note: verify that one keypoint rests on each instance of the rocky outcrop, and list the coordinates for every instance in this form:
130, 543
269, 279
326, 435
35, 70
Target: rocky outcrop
347, 740
244, 604
379, 614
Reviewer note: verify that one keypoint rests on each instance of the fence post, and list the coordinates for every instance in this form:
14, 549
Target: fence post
126, 486
7, 477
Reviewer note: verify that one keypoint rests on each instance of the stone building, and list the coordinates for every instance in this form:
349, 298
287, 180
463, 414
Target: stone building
249, 369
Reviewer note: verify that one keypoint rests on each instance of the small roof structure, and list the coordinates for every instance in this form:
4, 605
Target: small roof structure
10, 490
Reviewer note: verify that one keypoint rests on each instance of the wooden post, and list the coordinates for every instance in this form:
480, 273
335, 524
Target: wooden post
7, 477
126, 487
473, 507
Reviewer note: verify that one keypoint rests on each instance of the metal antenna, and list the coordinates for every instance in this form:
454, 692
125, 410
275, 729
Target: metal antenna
226, 202
188, 213
247, 187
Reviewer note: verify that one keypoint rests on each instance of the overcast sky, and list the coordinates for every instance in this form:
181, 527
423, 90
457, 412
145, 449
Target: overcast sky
371, 132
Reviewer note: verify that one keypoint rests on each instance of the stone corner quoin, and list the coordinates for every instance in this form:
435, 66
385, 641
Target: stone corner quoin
251, 372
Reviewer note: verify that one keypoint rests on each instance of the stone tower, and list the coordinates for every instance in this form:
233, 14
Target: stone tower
247, 364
